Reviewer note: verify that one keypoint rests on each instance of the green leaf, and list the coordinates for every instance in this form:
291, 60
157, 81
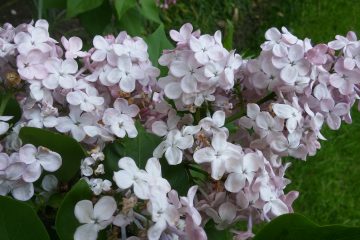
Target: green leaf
157, 42
150, 10
102, 14
18, 221
214, 234
10, 107
177, 175
297, 227
121, 6
66, 222
229, 35
75, 7
70, 150
135, 27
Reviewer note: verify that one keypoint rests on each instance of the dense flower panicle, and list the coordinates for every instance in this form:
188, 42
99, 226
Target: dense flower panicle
198, 67
227, 120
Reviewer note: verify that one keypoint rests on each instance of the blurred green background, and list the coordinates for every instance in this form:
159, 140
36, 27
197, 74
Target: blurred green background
329, 183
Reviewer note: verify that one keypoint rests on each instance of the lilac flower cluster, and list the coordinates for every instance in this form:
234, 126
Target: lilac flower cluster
228, 120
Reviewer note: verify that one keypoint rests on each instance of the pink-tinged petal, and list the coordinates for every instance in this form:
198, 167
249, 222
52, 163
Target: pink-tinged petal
86, 232
114, 76
160, 150
173, 90
203, 155
291, 124
278, 207
173, 155
227, 212
264, 120
23, 192
131, 130
303, 67
280, 62
124, 63
127, 84
296, 52
252, 110
289, 74
69, 66
64, 124
279, 50
123, 179
105, 208
279, 143
100, 42
333, 121
98, 55
273, 34
67, 81
75, 43
219, 141
336, 44
53, 65
32, 172
49, 160
283, 110
235, 182
252, 162
216, 53
78, 133
27, 153
4, 161
341, 109
219, 118
217, 168
349, 63
159, 128
141, 190
153, 167
201, 57
128, 164
195, 44
75, 98
156, 230
176, 36
179, 69
51, 82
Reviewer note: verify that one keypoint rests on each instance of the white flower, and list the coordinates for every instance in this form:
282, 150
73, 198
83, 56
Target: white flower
120, 124
60, 73
125, 74
288, 112
162, 213
87, 100
36, 160
242, 169
102, 49
75, 123
173, 146
73, 47
99, 185
272, 203
131, 175
218, 154
93, 218
161, 128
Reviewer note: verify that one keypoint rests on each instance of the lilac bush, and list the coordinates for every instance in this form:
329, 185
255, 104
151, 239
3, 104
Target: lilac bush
230, 121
